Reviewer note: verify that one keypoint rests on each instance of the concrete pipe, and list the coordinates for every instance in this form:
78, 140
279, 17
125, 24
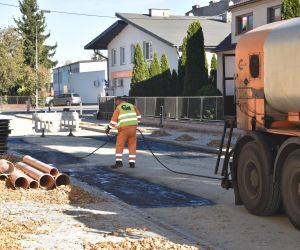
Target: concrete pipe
19, 179
62, 179
40, 165
45, 181
6, 167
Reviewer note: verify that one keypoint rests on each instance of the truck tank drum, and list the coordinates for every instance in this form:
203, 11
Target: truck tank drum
282, 66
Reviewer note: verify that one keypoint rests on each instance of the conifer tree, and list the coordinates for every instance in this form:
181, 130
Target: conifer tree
32, 29
165, 75
140, 71
213, 71
290, 9
181, 68
154, 81
196, 74
175, 85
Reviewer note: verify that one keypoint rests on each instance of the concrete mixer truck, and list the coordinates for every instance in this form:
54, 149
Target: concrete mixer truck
264, 164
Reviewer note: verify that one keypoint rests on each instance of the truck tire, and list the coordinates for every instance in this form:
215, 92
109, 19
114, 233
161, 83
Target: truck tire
290, 187
260, 195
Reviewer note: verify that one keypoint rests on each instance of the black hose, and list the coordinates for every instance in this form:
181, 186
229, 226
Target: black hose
109, 139
173, 171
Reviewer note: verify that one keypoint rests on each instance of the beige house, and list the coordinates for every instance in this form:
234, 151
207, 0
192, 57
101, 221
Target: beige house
246, 15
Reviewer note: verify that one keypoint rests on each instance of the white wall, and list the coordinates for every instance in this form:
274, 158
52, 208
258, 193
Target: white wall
260, 14
83, 84
131, 35
94, 66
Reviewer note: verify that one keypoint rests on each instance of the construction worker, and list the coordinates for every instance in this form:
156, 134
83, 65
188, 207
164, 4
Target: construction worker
125, 118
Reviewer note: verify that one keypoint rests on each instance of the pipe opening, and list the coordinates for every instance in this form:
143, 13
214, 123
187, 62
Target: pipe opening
34, 185
62, 179
21, 182
46, 181
3, 177
54, 172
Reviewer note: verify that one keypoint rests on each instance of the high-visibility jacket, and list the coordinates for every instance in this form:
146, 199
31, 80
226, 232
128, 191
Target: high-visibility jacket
125, 115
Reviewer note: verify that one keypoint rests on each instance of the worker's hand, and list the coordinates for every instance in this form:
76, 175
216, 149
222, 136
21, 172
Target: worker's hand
107, 130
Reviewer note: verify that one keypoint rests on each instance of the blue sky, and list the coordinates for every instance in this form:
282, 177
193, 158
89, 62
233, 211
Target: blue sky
72, 32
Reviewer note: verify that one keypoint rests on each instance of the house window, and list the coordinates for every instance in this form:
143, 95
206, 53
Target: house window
122, 55
274, 14
147, 49
113, 57
244, 23
132, 50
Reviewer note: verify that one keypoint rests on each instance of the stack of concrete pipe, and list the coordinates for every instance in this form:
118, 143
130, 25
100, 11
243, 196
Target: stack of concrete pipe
32, 173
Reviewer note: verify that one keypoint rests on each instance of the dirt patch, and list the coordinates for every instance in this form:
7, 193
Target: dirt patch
153, 243
159, 132
185, 137
60, 195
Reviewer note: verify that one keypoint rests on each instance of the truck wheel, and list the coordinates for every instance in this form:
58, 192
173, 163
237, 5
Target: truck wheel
290, 187
255, 183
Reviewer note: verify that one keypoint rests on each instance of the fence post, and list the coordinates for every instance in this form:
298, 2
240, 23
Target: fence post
216, 108
201, 108
176, 116
161, 116
145, 105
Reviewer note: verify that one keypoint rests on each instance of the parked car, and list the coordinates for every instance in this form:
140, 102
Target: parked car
65, 99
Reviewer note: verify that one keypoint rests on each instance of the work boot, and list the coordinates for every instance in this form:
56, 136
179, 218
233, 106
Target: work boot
118, 164
131, 164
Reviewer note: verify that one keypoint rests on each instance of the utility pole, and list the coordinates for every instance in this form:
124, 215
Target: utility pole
36, 70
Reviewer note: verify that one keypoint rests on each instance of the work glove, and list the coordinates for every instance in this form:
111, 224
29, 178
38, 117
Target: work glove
107, 130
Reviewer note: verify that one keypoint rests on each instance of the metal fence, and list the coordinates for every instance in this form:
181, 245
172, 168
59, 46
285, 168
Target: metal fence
14, 99
196, 108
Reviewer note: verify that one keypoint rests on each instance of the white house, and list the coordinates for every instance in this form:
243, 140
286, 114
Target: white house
86, 78
246, 15
157, 32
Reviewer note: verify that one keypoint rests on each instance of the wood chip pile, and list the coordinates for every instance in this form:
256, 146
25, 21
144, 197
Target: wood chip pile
61, 195
153, 243
12, 231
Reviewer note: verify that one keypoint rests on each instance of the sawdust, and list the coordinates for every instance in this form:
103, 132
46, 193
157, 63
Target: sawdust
159, 132
185, 137
12, 230
153, 243
60, 195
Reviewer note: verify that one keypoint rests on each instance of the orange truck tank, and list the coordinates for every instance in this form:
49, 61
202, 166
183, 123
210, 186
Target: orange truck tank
264, 165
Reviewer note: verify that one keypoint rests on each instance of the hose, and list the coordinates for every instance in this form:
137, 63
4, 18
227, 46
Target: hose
102, 145
173, 171
158, 160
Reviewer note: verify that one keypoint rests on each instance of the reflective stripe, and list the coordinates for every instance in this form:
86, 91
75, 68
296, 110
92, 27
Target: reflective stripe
112, 122
118, 159
119, 154
132, 161
128, 114
127, 120
132, 156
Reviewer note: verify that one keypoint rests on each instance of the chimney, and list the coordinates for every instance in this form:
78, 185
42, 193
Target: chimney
159, 12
